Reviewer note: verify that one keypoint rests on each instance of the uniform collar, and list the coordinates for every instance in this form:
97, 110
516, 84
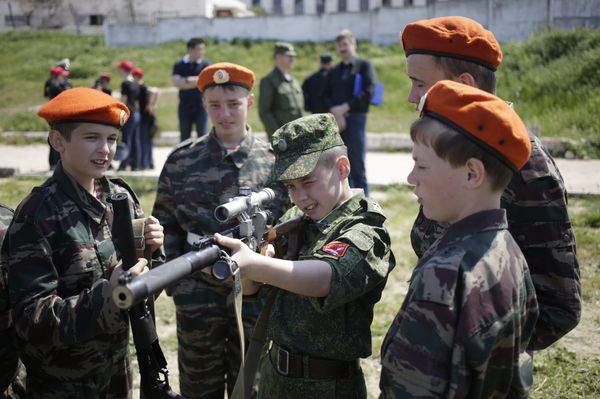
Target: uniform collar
84, 200
239, 156
489, 220
345, 209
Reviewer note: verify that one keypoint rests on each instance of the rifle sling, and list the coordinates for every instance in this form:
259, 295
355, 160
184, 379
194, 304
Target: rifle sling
237, 297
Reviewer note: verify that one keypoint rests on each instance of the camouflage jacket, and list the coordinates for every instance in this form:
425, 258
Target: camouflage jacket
60, 255
198, 176
353, 240
8, 352
280, 101
466, 320
536, 206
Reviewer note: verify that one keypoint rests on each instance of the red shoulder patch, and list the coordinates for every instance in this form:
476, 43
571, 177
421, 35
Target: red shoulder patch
336, 248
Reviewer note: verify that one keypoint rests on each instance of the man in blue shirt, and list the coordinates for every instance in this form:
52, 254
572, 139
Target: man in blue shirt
348, 99
185, 77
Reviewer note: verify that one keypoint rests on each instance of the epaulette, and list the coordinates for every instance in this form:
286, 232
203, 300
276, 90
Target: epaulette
122, 183
30, 204
372, 206
184, 144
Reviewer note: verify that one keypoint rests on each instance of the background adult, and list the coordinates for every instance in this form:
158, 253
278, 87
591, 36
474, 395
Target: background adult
185, 77
280, 98
350, 86
313, 86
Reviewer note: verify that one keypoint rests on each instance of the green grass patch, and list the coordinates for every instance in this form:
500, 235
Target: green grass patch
561, 374
552, 78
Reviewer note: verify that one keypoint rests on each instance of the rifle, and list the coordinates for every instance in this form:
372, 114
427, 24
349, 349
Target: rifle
252, 227
151, 360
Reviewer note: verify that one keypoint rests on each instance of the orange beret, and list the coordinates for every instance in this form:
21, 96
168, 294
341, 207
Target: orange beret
454, 37
481, 117
82, 104
225, 73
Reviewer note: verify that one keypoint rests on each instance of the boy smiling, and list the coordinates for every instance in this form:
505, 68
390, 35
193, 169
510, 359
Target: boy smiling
62, 262
319, 325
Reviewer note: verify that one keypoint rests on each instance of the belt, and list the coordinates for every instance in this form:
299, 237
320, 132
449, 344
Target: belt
296, 365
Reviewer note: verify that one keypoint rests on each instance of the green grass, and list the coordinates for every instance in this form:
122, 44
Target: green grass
552, 78
566, 370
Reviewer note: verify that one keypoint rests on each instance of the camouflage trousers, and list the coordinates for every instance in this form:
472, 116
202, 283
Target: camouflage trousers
275, 385
208, 351
119, 385
14, 387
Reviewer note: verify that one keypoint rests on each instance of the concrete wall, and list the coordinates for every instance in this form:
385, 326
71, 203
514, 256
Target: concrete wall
62, 14
508, 19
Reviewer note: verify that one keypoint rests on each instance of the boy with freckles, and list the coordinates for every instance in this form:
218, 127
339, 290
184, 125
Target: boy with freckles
319, 325
470, 309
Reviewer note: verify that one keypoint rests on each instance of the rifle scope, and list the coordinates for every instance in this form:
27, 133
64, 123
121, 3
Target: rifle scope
242, 203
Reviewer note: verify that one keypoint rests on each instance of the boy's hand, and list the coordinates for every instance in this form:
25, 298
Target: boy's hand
339, 112
139, 268
241, 253
153, 233
243, 256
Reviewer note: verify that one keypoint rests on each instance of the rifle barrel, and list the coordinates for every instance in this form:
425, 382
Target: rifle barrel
155, 280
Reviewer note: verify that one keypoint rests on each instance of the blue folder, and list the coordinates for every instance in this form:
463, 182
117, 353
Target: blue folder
377, 98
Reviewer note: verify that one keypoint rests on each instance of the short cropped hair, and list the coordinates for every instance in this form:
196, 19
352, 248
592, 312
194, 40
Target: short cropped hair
344, 34
456, 149
453, 67
329, 157
194, 41
229, 87
65, 129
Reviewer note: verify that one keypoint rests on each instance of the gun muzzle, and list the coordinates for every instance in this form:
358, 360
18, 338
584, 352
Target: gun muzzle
241, 204
155, 280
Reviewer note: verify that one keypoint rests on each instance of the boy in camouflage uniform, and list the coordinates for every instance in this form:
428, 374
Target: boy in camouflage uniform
198, 176
10, 383
460, 49
62, 263
470, 309
320, 320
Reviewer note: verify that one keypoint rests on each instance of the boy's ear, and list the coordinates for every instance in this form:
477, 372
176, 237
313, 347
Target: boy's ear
343, 166
250, 99
475, 174
56, 140
466, 78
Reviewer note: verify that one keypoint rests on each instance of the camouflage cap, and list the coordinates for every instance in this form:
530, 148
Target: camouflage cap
299, 144
284, 48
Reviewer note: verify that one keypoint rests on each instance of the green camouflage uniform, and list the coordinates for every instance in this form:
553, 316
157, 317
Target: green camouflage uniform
198, 176
10, 383
72, 338
338, 325
466, 320
281, 100
536, 205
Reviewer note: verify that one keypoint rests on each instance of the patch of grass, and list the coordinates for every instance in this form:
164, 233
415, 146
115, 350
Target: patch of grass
552, 78
560, 373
